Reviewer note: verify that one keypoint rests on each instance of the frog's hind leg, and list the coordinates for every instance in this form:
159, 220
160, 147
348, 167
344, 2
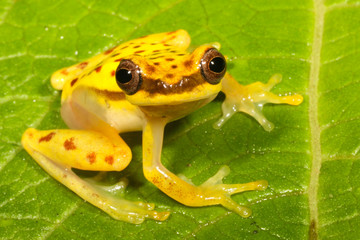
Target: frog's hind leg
57, 151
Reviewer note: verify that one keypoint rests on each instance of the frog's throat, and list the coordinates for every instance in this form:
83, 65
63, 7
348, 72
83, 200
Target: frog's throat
175, 111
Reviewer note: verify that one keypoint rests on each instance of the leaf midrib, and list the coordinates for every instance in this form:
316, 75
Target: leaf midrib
315, 131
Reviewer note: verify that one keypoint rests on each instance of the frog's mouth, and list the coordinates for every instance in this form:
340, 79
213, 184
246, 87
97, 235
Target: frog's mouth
177, 110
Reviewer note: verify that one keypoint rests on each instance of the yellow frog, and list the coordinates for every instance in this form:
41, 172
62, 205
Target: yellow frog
142, 85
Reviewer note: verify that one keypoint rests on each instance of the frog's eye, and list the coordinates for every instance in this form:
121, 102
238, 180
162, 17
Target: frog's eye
128, 76
213, 66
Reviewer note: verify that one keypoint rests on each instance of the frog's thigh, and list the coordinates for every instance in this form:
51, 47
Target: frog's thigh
57, 151
81, 149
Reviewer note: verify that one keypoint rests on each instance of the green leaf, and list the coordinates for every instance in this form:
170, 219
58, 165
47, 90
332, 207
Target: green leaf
311, 158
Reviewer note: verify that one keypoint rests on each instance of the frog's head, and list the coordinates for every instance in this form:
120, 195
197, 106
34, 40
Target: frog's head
171, 82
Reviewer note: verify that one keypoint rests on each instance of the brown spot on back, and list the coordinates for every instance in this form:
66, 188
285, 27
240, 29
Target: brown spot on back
180, 54
156, 63
169, 59
118, 60
109, 51
82, 65
91, 157
174, 66
109, 160
169, 75
69, 144
98, 69
47, 137
73, 82
140, 51
157, 50
113, 73
137, 46
124, 47
150, 69
188, 63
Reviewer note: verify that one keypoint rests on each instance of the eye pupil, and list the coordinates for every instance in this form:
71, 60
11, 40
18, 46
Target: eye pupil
217, 64
123, 76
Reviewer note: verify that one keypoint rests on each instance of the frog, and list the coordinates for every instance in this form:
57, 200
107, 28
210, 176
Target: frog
141, 85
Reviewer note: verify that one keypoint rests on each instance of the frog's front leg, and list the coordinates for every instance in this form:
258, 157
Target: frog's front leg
251, 98
211, 192
57, 151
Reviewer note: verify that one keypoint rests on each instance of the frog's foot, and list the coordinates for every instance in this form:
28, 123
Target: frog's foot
251, 99
214, 187
118, 208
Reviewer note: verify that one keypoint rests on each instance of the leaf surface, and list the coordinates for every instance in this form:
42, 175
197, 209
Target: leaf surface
311, 158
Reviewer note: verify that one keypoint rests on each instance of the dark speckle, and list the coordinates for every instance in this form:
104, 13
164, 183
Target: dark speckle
109, 160
91, 157
174, 66
82, 65
188, 63
47, 137
150, 69
73, 82
109, 51
140, 51
69, 144
98, 69
169, 75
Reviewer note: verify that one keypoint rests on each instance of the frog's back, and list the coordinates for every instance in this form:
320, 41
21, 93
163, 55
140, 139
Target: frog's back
103, 66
